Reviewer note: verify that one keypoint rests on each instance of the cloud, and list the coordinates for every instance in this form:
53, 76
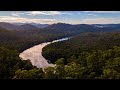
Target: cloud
25, 20
102, 12
17, 14
107, 12
46, 13
67, 13
101, 20
86, 14
14, 14
91, 14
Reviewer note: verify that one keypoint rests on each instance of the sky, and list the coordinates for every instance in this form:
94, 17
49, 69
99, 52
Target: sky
70, 17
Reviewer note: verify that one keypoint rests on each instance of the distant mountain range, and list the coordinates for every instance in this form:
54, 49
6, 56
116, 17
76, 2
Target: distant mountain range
35, 24
39, 25
84, 27
61, 27
21, 26
107, 25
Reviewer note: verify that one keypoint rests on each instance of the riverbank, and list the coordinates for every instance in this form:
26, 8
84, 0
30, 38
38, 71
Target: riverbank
34, 54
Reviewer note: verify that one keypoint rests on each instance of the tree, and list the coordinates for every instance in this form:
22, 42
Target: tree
110, 74
8, 59
73, 58
60, 61
50, 73
59, 68
10, 62
75, 71
30, 74
94, 62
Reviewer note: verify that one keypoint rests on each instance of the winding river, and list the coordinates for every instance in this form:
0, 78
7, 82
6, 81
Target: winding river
34, 54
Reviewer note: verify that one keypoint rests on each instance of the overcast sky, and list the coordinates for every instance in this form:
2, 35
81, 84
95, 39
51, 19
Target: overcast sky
71, 17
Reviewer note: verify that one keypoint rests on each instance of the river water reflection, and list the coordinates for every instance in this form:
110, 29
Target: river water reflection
34, 54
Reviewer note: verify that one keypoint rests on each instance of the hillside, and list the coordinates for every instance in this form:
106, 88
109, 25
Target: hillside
84, 27
27, 27
10, 26
34, 24
85, 42
22, 39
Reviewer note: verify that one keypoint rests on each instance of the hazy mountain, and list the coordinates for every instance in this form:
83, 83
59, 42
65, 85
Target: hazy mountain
61, 27
1, 28
35, 24
72, 28
28, 27
107, 25
39, 25
18, 23
84, 27
10, 26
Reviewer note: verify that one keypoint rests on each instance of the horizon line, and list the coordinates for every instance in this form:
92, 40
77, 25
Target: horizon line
55, 23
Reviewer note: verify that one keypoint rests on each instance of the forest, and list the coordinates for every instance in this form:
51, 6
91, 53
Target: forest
87, 55
21, 40
13, 42
94, 65
84, 42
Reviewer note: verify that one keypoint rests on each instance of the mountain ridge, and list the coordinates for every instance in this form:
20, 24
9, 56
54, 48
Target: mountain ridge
61, 27
19, 26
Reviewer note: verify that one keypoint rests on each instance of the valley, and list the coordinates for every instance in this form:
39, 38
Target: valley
91, 53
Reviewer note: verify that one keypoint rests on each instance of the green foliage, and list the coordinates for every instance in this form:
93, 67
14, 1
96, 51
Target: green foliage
73, 71
10, 62
23, 39
50, 73
84, 42
96, 65
30, 74
86, 56
99, 64
60, 68
72, 59
110, 74
60, 61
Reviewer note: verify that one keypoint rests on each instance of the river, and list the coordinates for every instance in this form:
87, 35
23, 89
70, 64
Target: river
34, 54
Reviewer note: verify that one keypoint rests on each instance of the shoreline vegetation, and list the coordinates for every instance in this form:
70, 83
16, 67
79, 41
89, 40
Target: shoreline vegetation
34, 54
